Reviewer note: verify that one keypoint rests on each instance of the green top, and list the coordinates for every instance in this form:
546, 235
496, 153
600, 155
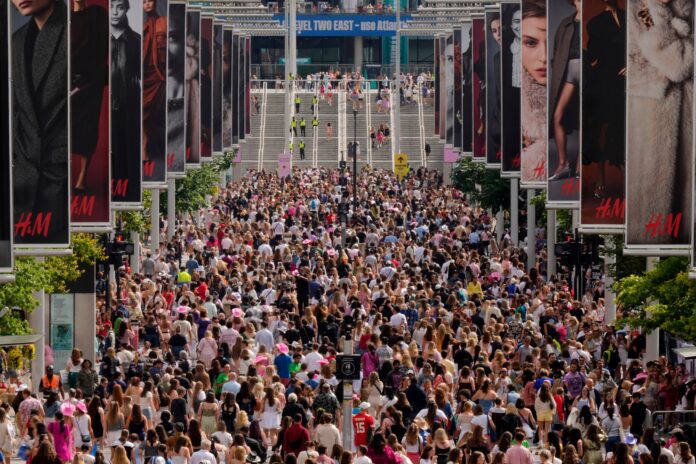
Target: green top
219, 382
315, 122
293, 123
302, 144
303, 123
298, 99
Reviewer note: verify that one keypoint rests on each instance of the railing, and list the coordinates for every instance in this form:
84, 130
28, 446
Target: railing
368, 109
665, 421
342, 144
315, 134
394, 100
270, 71
421, 125
262, 132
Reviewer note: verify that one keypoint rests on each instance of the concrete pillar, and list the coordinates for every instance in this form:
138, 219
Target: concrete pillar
154, 222
609, 304
446, 173
551, 242
499, 224
396, 102
531, 228
576, 219
514, 211
652, 340
37, 322
171, 207
358, 53
135, 259
348, 402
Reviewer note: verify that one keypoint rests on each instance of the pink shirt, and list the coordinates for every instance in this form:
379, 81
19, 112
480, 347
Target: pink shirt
518, 454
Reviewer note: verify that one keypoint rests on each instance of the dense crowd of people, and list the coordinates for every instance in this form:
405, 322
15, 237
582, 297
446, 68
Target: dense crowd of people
224, 348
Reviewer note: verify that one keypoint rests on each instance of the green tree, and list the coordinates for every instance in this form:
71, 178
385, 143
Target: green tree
139, 220
662, 298
624, 265
482, 186
564, 217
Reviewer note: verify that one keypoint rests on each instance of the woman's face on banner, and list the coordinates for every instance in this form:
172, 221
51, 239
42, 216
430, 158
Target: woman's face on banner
495, 30
149, 6
31, 7
449, 72
534, 48
515, 24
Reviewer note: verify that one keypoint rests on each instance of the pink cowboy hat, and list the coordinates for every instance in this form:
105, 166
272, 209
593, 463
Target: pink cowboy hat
323, 361
67, 409
283, 348
81, 406
237, 312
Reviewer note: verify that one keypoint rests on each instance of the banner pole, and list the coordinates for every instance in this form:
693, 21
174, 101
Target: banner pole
171, 203
550, 242
531, 230
514, 211
154, 222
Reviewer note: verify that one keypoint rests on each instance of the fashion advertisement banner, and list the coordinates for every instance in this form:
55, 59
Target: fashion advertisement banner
436, 83
533, 115
206, 83
659, 124
478, 88
241, 67
457, 78
443, 88
192, 94
493, 88
449, 88
40, 144
234, 97
247, 86
154, 92
467, 113
217, 89
126, 102
603, 92
6, 255
228, 94
564, 73
511, 46
89, 114
176, 71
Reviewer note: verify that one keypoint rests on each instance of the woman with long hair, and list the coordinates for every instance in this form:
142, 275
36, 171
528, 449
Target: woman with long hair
114, 423
380, 452
181, 454
61, 431
195, 434
137, 423
544, 406
270, 415
413, 443
46, 453
120, 456
209, 414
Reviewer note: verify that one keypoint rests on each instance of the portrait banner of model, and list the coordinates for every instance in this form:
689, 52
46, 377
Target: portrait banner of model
89, 114
565, 71
206, 83
511, 46
443, 88
227, 90
247, 86
448, 64
233, 79
436, 83
126, 102
176, 71
217, 89
478, 87
465, 81
493, 88
659, 117
192, 94
457, 80
534, 122
39, 108
603, 92
241, 87
154, 92
6, 252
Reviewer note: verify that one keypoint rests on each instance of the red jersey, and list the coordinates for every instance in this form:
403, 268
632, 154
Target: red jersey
362, 423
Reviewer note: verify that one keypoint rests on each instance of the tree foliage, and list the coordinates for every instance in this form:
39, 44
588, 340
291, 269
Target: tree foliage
623, 266
52, 275
662, 298
564, 217
139, 220
481, 185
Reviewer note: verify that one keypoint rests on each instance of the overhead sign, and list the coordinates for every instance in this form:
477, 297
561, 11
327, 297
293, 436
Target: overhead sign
345, 25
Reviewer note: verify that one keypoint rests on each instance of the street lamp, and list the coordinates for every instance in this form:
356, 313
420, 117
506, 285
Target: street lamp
355, 161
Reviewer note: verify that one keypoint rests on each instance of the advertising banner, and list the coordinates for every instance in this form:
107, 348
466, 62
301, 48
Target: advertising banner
603, 92
466, 82
90, 168
511, 46
436, 83
457, 79
241, 67
659, 126
192, 94
40, 151
247, 86
206, 83
534, 94
62, 322
449, 88
478, 88
234, 96
564, 73
176, 71
228, 94
126, 102
217, 89
154, 93
6, 254
493, 88
443, 88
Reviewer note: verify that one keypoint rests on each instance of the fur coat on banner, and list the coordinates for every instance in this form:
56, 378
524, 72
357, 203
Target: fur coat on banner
659, 119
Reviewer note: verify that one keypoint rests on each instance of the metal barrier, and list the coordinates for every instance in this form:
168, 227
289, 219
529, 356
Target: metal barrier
664, 421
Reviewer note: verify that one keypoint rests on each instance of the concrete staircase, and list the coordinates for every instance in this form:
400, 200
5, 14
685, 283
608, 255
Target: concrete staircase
411, 141
437, 148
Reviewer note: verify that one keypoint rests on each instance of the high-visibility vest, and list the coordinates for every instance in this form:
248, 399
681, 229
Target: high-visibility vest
291, 146
52, 384
315, 100
315, 122
298, 99
303, 123
293, 123
302, 145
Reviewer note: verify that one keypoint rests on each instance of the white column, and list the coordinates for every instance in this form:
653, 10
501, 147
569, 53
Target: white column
171, 207
609, 304
37, 322
154, 222
135, 259
499, 224
576, 219
551, 242
348, 401
514, 211
358, 53
396, 103
531, 230
652, 340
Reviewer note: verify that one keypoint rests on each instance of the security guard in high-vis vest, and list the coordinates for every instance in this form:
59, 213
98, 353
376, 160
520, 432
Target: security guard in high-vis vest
315, 122
298, 100
301, 145
315, 102
293, 126
292, 147
303, 127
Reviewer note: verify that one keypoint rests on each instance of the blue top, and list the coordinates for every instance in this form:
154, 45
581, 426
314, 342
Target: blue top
282, 363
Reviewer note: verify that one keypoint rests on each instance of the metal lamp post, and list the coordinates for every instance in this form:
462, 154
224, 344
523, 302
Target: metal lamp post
355, 161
